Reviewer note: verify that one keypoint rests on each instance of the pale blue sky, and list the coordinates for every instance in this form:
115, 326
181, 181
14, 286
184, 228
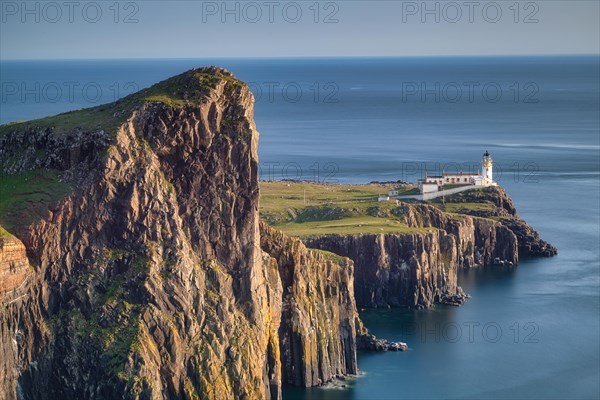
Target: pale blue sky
187, 29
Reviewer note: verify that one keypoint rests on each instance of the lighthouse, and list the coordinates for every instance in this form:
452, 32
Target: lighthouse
433, 186
487, 164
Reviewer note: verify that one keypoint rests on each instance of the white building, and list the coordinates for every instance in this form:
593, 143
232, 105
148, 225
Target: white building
428, 187
487, 169
434, 183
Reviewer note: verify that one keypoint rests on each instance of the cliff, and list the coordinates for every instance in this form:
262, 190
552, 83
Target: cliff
14, 266
502, 209
420, 269
140, 221
317, 332
16, 335
409, 270
479, 241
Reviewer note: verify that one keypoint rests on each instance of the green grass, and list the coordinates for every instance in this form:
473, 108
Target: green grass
330, 256
25, 197
408, 191
308, 209
4, 232
349, 226
278, 197
459, 208
88, 119
454, 185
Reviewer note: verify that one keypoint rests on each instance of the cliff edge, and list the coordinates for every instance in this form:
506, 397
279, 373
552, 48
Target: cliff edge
476, 228
148, 280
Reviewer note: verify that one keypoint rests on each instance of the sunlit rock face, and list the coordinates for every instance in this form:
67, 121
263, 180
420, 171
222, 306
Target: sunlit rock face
148, 280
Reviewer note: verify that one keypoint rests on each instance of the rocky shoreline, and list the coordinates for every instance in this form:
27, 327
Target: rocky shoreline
370, 342
418, 270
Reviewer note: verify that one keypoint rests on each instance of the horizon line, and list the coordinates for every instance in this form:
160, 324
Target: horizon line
310, 57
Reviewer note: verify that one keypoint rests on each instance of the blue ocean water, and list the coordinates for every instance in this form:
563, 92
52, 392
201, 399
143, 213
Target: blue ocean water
532, 332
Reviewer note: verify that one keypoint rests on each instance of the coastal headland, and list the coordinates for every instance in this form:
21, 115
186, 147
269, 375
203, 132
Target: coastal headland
135, 264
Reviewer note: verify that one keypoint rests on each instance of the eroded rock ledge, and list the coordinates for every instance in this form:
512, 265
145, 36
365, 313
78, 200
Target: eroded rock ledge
14, 267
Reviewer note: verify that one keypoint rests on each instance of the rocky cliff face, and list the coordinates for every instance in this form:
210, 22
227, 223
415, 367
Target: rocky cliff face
418, 270
529, 242
318, 319
18, 313
148, 278
14, 267
479, 241
400, 270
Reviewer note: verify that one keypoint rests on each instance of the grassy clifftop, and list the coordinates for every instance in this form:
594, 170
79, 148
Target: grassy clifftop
187, 88
26, 192
24, 197
306, 209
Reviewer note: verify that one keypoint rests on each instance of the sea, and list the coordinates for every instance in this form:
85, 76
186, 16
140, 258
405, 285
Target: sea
527, 332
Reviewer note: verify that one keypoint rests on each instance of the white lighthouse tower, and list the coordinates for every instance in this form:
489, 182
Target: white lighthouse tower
487, 164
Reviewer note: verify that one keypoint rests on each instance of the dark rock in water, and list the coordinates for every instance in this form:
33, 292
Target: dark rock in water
366, 341
370, 342
397, 346
530, 244
457, 299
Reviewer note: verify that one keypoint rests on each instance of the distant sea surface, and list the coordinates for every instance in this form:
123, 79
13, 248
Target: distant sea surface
531, 332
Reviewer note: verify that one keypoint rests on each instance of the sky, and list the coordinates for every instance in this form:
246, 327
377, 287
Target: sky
188, 29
